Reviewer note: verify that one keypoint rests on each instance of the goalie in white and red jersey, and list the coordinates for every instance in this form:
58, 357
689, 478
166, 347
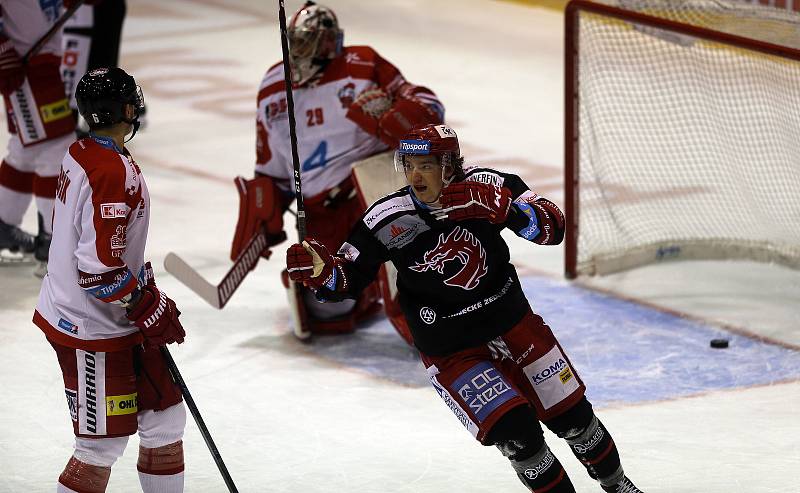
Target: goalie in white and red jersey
495, 363
350, 103
99, 306
39, 121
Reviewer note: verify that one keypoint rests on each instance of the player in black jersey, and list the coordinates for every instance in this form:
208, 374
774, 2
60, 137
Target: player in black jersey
493, 361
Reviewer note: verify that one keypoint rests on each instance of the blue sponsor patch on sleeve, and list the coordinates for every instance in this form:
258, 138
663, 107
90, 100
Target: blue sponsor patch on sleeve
483, 389
530, 231
68, 326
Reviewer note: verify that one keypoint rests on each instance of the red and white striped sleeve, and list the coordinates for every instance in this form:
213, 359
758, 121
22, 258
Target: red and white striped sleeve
106, 203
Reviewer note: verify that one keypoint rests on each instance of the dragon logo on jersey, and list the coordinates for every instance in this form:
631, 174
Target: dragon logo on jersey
347, 94
462, 246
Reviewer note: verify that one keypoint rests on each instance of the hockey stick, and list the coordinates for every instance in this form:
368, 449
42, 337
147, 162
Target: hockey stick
218, 295
50, 32
187, 396
299, 331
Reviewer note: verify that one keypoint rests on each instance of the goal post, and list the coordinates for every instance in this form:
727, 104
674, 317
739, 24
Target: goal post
682, 133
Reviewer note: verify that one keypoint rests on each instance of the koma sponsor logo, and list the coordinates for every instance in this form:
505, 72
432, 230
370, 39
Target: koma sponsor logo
548, 372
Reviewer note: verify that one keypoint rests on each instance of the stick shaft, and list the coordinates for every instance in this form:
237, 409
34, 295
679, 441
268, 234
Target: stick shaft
187, 396
287, 77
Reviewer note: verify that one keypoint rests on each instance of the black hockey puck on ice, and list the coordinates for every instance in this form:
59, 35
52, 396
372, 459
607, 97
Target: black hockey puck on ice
719, 343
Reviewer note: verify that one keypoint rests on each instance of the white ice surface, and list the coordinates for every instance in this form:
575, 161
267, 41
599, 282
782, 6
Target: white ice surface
287, 419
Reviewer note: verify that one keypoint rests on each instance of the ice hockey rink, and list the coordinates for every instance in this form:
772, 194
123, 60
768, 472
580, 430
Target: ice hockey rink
356, 413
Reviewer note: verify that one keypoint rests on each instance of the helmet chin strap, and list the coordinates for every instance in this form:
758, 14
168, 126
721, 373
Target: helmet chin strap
135, 122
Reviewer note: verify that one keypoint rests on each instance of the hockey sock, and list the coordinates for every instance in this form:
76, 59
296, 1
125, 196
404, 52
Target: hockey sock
82, 477
16, 189
542, 473
596, 450
161, 469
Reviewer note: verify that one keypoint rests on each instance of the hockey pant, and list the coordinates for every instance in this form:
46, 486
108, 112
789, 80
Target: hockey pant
111, 395
41, 132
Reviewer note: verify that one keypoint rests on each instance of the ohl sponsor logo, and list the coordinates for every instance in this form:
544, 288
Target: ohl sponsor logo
460, 246
119, 405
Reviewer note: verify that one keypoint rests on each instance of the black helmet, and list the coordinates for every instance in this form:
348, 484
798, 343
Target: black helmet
102, 94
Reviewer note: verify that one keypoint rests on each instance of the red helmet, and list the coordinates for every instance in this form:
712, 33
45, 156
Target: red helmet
439, 140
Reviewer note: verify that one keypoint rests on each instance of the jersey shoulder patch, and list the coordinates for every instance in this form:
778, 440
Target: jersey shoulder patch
397, 202
484, 175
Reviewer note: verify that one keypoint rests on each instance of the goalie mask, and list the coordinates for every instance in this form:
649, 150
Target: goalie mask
102, 95
314, 39
440, 141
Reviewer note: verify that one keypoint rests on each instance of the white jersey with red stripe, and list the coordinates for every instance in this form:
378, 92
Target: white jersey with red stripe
24, 22
100, 222
328, 143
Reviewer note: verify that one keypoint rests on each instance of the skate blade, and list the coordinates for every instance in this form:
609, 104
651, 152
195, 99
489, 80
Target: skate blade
14, 258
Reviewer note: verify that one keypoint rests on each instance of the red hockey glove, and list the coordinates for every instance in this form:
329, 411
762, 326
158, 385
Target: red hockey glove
311, 264
12, 73
474, 200
368, 108
157, 317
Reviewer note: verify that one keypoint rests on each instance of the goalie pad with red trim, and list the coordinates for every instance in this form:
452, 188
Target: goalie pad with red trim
260, 206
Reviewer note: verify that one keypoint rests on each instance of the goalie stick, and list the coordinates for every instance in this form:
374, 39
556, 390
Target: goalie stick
218, 296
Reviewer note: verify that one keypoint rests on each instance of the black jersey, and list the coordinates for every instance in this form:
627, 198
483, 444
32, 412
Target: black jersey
456, 286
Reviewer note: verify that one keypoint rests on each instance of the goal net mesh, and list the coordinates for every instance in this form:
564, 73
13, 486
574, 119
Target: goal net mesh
687, 147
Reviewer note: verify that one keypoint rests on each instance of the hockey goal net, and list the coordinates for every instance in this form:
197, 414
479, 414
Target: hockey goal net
682, 133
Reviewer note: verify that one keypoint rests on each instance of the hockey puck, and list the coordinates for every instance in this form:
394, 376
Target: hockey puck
719, 343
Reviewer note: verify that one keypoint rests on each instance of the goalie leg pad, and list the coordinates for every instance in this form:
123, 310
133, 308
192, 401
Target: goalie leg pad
260, 205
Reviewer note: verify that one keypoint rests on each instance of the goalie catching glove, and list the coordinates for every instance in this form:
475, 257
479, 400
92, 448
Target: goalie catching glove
474, 200
387, 118
156, 315
312, 265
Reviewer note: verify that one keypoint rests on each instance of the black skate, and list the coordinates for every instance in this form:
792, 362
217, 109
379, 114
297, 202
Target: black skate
624, 486
15, 244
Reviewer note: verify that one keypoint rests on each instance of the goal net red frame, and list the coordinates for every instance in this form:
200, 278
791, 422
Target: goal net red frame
682, 133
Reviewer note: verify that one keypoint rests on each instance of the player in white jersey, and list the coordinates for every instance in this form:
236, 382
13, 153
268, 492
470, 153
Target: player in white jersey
349, 104
99, 307
39, 121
